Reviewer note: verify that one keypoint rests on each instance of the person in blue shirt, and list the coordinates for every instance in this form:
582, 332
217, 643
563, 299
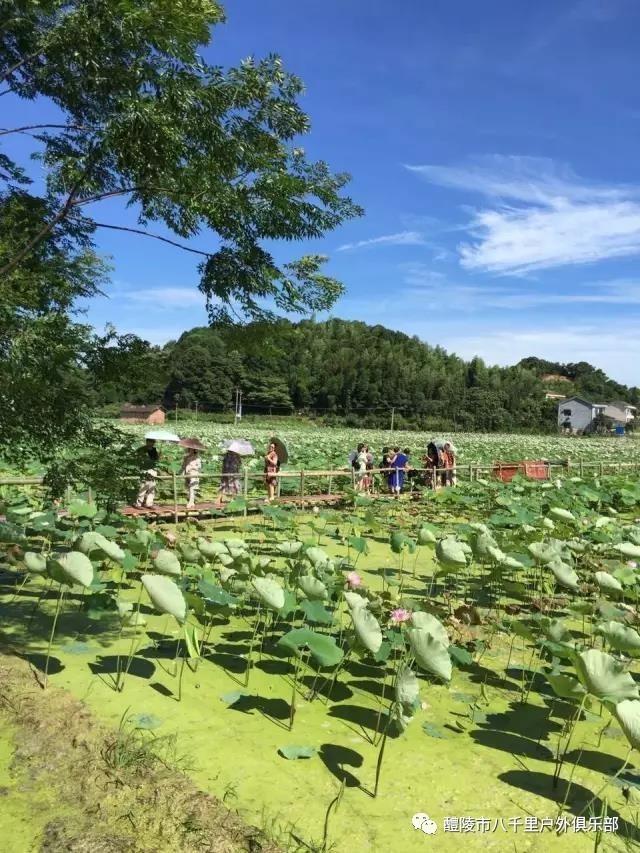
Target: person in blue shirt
399, 462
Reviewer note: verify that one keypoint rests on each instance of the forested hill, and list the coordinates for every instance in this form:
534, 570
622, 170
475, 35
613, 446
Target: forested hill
334, 369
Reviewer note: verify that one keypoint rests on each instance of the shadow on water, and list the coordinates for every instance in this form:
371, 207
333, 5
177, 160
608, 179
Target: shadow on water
335, 758
277, 710
367, 719
577, 797
108, 665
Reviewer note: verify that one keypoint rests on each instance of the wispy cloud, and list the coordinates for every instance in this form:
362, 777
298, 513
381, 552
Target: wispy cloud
167, 297
402, 238
423, 284
542, 215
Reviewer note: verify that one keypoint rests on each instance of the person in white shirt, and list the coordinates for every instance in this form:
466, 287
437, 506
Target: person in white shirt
191, 467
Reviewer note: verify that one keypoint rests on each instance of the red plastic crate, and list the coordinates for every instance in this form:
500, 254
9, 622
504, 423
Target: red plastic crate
533, 470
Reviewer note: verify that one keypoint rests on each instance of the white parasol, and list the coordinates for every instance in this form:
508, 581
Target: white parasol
162, 435
240, 446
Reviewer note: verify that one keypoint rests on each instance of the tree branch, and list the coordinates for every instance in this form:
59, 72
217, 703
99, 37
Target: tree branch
5, 132
6, 74
154, 237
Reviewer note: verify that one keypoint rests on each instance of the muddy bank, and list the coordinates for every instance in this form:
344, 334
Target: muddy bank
67, 783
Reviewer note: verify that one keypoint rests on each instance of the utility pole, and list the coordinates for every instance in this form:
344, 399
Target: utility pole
393, 412
196, 410
238, 414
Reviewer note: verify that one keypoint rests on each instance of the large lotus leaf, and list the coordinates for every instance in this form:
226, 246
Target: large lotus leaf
236, 543
313, 588
239, 553
354, 600
561, 514
565, 686
480, 544
367, 629
426, 536
510, 562
431, 625
292, 753
604, 676
289, 549
576, 546
316, 613
450, 553
74, 567
269, 592
36, 564
620, 637
112, 550
211, 550
226, 559
602, 521
316, 555
628, 715
167, 562
89, 541
496, 554
407, 698
543, 552
188, 553
399, 541
165, 596
430, 654
359, 544
607, 581
323, 648
627, 549
549, 523
564, 574
216, 595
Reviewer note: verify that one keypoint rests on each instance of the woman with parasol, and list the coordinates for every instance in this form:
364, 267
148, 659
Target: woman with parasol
191, 467
230, 483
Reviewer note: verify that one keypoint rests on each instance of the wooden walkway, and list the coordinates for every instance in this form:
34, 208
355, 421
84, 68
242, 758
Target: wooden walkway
167, 512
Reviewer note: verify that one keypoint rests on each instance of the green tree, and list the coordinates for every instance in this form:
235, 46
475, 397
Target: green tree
205, 151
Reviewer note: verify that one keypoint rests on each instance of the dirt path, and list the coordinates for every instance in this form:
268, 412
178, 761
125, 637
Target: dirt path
69, 784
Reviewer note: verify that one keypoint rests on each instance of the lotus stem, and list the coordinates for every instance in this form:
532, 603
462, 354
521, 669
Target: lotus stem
250, 652
53, 630
381, 753
560, 760
20, 588
292, 706
136, 611
180, 679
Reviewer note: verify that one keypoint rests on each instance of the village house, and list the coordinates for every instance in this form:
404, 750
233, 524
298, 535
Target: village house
577, 415
134, 414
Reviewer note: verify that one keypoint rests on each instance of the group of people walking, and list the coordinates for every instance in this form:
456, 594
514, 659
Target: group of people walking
191, 467
438, 468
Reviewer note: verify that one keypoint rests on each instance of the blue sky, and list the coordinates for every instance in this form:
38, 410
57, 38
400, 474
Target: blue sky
494, 147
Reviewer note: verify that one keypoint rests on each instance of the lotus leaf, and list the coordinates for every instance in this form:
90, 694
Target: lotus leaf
620, 637
165, 596
313, 588
430, 654
607, 581
367, 629
431, 625
167, 563
269, 592
604, 676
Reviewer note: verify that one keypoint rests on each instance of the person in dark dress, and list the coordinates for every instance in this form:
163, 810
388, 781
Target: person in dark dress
149, 458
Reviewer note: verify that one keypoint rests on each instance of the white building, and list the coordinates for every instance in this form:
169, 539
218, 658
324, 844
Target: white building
576, 415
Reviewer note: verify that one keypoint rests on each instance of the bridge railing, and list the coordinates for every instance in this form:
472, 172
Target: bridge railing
296, 485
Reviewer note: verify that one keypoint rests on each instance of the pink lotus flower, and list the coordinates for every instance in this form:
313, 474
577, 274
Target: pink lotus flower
400, 615
354, 580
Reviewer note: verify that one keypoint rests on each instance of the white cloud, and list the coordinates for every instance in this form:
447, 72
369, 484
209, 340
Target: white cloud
167, 297
423, 283
403, 238
542, 215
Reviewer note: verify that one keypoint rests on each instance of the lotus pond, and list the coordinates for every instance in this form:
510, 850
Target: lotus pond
471, 657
